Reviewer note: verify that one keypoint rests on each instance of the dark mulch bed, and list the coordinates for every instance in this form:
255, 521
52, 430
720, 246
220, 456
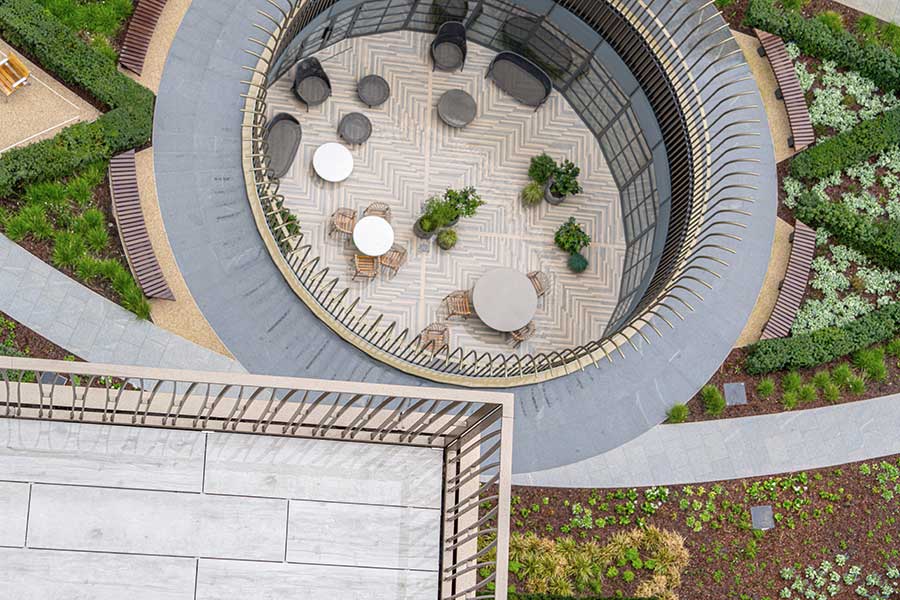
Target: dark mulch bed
734, 13
850, 519
731, 371
29, 343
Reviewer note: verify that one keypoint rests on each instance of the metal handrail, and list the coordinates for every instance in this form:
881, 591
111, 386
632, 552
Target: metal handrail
377, 335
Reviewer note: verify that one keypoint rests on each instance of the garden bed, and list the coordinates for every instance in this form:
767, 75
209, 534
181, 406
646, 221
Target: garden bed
844, 516
18, 340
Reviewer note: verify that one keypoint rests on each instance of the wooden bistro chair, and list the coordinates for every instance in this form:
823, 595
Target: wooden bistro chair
378, 209
13, 74
342, 222
523, 335
457, 304
394, 259
434, 337
364, 266
540, 281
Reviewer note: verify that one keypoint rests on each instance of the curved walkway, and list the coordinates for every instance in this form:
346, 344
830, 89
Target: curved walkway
88, 325
197, 149
735, 448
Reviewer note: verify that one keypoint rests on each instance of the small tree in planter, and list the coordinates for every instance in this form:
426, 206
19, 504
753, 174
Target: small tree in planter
466, 202
438, 213
571, 238
563, 183
446, 239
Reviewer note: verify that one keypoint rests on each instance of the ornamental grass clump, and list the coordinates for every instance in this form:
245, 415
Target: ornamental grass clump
766, 387
713, 400
871, 362
831, 393
841, 375
678, 413
791, 382
807, 393
821, 379
789, 400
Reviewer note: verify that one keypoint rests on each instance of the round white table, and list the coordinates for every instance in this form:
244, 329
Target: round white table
505, 299
373, 236
333, 162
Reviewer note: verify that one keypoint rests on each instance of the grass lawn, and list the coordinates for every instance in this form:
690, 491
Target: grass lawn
99, 22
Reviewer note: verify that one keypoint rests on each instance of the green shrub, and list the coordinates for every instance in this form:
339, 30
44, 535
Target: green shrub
678, 413
446, 239
713, 400
542, 168
868, 138
571, 237
831, 393
871, 362
816, 37
578, 263
857, 385
821, 379
841, 375
33, 30
766, 387
877, 239
532, 194
68, 249
822, 346
831, 20
807, 393
789, 400
791, 382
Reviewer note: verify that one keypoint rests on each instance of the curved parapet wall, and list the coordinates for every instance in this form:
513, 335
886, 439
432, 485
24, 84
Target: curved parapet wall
670, 261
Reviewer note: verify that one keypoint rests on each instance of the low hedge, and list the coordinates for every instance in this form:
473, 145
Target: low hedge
34, 30
878, 239
825, 345
815, 38
868, 138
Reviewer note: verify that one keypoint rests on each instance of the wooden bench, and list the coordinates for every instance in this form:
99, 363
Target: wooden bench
788, 90
793, 287
126, 203
140, 31
13, 74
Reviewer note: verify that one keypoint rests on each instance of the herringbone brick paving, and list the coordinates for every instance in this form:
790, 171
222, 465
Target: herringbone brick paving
413, 155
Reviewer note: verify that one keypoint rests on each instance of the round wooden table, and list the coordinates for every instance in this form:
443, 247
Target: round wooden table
505, 299
373, 236
333, 162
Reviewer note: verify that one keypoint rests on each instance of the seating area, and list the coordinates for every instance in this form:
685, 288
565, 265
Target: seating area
13, 74
793, 287
789, 90
129, 217
140, 32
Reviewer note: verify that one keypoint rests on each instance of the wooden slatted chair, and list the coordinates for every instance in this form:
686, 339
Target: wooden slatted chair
457, 304
13, 75
394, 259
379, 209
434, 337
343, 220
540, 281
523, 335
364, 266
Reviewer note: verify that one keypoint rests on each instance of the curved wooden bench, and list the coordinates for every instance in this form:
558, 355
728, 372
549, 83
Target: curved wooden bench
140, 31
789, 90
126, 203
793, 287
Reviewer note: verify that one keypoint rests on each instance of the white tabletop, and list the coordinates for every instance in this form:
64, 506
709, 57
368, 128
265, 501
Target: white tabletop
373, 236
333, 162
505, 299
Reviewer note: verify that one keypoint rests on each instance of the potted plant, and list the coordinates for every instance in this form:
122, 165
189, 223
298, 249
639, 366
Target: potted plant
542, 168
532, 194
466, 202
438, 213
563, 182
425, 227
447, 238
571, 238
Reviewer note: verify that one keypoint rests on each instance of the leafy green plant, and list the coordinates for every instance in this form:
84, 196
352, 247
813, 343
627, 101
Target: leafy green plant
577, 263
565, 180
678, 413
446, 239
791, 382
794, 5
532, 194
571, 237
542, 168
713, 400
465, 201
766, 387
428, 223
439, 212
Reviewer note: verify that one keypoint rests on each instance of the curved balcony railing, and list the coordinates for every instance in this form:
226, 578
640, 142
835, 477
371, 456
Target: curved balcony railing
692, 71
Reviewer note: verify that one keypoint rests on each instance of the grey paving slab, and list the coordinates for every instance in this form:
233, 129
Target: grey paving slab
762, 517
27, 574
735, 394
363, 535
97, 455
743, 447
382, 474
217, 579
85, 323
13, 512
161, 523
